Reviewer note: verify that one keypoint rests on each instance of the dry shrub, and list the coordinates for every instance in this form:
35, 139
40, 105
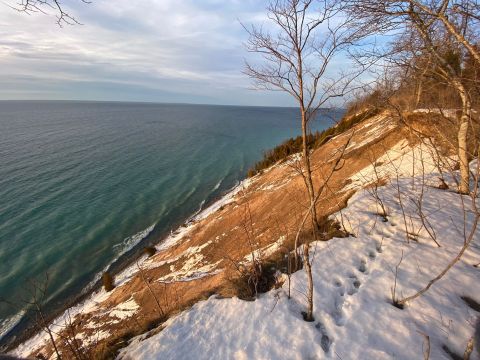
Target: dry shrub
107, 281
149, 251
329, 229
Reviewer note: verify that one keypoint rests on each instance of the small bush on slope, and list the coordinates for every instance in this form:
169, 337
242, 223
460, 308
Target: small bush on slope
107, 281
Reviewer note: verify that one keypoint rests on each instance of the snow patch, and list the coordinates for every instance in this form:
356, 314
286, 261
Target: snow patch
266, 251
124, 310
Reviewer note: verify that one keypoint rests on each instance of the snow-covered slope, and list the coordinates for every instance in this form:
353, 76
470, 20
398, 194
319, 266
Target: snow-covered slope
353, 278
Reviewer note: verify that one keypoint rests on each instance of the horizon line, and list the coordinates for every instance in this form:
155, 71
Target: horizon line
153, 103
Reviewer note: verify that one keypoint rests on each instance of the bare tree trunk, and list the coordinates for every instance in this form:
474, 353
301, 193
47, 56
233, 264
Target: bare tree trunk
308, 271
463, 156
145, 281
464, 186
46, 327
419, 90
308, 173
448, 73
418, 94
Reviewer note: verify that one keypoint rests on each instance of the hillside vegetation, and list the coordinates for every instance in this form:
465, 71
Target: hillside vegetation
314, 140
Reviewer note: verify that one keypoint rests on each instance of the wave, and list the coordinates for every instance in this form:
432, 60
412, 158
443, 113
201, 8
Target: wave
200, 208
223, 200
218, 185
8, 324
202, 203
126, 245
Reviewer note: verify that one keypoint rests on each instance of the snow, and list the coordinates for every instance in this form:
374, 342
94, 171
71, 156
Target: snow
194, 268
192, 272
266, 251
353, 278
226, 199
128, 243
401, 160
450, 113
41, 338
121, 311
124, 310
93, 339
274, 186
372, 130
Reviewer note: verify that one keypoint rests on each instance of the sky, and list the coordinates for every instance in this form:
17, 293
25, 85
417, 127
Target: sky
187, 51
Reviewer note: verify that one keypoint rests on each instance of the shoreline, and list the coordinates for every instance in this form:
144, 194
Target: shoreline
126, 269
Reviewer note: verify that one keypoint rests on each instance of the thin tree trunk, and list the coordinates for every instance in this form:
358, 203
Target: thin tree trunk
308, 270
313, 212
45, 326
418, 93
308, 173
419, 90
145, 281
464, 186
450, 75
463, 156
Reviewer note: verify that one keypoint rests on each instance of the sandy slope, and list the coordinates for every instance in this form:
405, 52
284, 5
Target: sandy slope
201, 258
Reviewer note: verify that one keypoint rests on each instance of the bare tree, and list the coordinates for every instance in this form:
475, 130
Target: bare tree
149, 287
37, 295
296, 55
421, 32
306, 36
459, 18
335, 166
450, 74
47, 7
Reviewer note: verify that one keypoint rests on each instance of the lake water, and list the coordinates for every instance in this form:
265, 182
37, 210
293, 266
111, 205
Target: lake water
84, 186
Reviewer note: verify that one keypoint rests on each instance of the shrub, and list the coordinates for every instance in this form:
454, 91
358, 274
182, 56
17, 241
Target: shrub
149, 251
253, 280
107, 281
329, 228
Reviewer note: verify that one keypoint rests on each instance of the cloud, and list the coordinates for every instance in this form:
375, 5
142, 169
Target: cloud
155, 50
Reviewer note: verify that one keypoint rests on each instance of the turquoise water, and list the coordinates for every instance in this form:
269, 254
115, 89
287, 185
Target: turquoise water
85, 185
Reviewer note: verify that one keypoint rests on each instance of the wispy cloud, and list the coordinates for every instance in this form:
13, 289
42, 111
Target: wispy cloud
152, 50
